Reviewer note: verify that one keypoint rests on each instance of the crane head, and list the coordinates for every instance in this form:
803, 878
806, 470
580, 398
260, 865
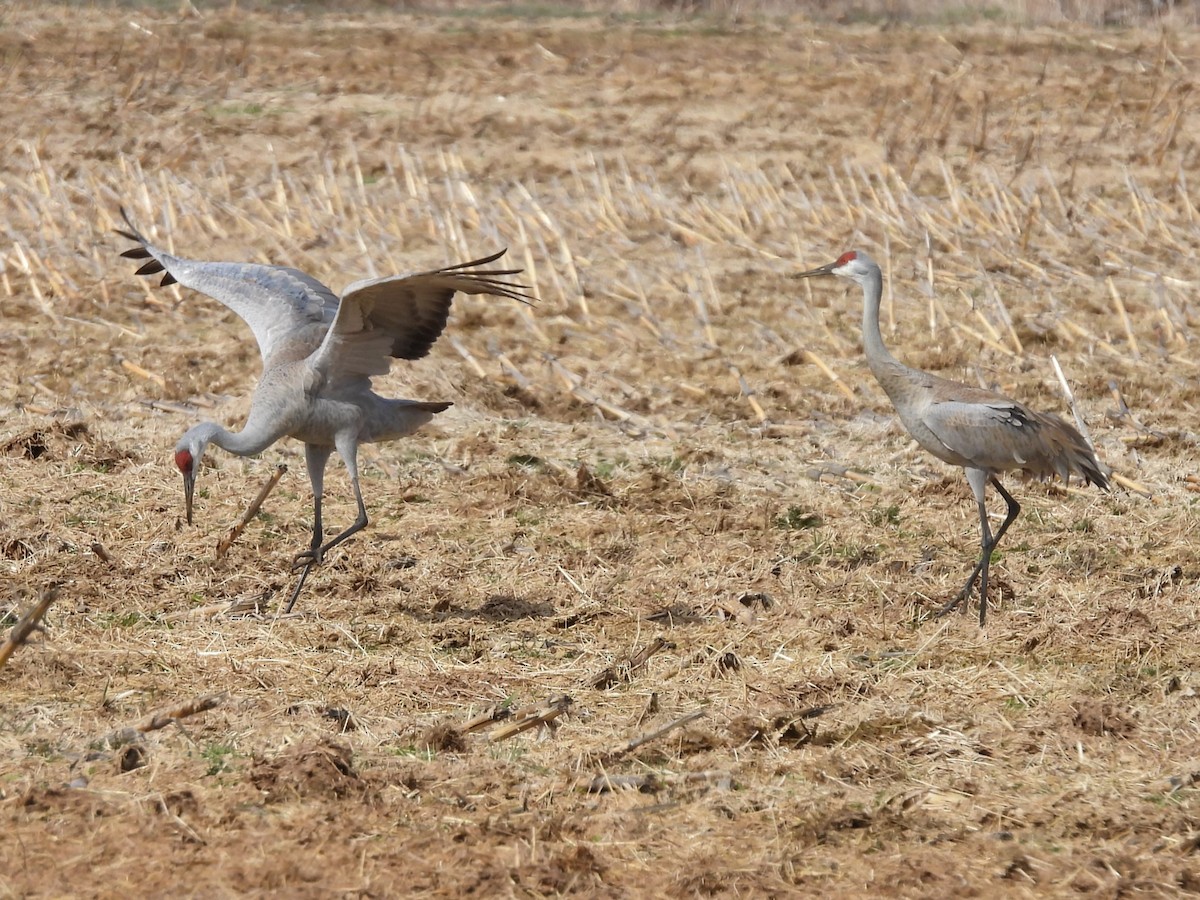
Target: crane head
853, 264
188, 464
188, 453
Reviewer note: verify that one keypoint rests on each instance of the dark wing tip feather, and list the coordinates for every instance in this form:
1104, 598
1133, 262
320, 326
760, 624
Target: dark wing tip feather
488, 278
510, 289
142, 251
133, 234
492, 273
478, 262
151, 268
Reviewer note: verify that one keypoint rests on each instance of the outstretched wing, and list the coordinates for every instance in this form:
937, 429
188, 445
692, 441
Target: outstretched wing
274, 301
401, 316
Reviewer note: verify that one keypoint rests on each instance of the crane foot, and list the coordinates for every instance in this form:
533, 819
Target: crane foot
306, 559
958, 601
951, 606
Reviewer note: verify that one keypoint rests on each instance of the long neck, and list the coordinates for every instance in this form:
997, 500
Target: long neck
246, 442
883, 365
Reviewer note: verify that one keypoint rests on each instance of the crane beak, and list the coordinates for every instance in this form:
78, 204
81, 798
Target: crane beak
189, 488
824, 270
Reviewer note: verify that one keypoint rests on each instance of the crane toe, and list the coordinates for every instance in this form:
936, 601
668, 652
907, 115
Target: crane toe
306, 559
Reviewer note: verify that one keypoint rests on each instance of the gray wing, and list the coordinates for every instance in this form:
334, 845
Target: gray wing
984, 435
401, 316
275, 301
999, 434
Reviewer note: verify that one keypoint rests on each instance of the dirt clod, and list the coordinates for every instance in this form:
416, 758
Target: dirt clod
442, 738
322, 769
1102, 718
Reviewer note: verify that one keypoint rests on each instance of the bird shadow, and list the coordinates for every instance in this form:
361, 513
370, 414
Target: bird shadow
495, 608
509, 608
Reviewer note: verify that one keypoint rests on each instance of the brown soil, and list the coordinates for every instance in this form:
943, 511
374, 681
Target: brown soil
678, 442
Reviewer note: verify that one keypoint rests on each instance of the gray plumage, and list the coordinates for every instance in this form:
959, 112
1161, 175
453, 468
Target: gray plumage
319, 354
983, 432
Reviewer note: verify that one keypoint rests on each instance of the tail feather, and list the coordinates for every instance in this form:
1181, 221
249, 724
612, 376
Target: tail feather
430, 406
1071, 454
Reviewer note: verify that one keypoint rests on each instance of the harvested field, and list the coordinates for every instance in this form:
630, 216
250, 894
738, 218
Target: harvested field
649, 610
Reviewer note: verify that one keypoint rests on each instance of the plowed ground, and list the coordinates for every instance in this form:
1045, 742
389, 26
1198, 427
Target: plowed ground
670, 515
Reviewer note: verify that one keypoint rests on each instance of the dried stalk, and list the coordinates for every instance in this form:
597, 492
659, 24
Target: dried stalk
540, 715
27, 623
188, 832
160, 719
1070, 397
845, 389
748, 393
624, 671
650, 736
650, 783
100, 550
1124, 317
497, 712
234, 532
137, 370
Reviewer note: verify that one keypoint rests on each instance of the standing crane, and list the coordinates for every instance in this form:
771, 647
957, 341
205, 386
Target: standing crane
984, 432
319, 354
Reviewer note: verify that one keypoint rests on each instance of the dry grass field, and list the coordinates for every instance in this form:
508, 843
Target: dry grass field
649, 610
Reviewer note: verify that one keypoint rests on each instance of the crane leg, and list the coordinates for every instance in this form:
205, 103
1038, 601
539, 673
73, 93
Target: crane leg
315, 459
306, 559
359, 523
1014, 510
348, 450
988, 542
296, 591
